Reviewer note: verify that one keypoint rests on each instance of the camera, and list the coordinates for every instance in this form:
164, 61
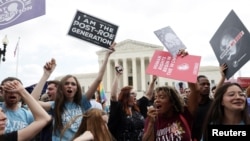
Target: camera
119, 69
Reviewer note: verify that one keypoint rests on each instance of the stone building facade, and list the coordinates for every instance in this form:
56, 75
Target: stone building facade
134, 57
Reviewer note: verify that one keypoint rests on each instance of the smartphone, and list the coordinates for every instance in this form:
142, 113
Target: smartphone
119, 69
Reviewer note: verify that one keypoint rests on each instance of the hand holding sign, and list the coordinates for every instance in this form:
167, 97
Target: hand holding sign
230, 44
93, 30
170, 40
179, 68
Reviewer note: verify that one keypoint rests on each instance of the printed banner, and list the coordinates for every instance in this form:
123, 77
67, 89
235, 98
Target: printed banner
170, 40
231, 44
244, 81
163, 64
93, 30
13, 12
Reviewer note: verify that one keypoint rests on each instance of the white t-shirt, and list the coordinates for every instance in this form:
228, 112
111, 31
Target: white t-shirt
95, 104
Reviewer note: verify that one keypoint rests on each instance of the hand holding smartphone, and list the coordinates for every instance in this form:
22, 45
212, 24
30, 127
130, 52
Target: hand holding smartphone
119, 69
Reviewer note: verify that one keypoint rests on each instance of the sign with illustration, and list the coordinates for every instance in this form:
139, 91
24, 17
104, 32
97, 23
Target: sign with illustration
231, 44
170, 40
185, 68
93, 30
13, 12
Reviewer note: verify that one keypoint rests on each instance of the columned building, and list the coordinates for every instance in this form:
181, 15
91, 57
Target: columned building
134, 57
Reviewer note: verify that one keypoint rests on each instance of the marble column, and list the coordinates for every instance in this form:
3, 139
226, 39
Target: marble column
109, 70
125, 72
143, 74
134, 73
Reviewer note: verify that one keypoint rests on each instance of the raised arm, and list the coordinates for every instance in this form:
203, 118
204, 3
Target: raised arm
41, 118
48, 69
149, 127
193, 98
92, 89
114, 87
223, 68
149, 92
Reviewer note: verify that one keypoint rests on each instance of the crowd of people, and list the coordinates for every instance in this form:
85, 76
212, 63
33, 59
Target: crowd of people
161, 114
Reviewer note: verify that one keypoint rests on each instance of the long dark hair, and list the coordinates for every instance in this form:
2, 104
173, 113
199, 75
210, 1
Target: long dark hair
174, 97
215, 113
61, 100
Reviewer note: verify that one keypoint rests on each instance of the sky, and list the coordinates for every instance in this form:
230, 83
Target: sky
45, 37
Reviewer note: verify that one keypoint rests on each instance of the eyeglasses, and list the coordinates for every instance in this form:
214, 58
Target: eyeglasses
242, 94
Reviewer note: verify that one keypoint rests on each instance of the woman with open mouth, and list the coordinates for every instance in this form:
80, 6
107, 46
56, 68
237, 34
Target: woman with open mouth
169, 118
70, 101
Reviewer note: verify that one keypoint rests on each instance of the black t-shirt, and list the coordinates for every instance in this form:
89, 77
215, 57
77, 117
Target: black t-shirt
46, 133
9, 136
199, 119
143, 103
124, 127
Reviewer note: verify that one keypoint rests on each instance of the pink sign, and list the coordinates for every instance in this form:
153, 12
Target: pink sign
163, 64
244, 81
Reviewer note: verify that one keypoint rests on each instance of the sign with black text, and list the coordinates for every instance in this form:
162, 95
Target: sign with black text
231, 44
93, 30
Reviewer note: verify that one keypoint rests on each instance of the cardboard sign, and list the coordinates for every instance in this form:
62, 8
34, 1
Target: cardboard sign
17, 11
93, 30
231, 44
170, 40
163, 64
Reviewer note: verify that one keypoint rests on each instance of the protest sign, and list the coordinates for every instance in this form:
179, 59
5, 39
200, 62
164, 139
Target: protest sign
170, 40
185, 68
93, 30
17, 11
230, 44
244, 81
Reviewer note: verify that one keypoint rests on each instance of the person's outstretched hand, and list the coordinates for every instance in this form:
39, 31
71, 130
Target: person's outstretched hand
50, 66
182, 53
223, 68
155, 77
119, 69
111, 48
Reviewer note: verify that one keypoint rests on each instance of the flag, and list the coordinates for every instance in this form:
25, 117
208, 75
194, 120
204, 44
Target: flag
17, 45
31, 88
17, 11
101, 91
